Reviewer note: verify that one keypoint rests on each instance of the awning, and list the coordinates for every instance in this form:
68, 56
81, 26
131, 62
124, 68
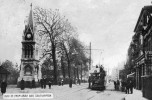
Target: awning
131, 75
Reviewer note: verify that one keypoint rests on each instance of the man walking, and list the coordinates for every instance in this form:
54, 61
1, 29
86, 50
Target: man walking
50, 83
115, 84
44, 82
127, 87
33, 83
131, 85
70, 83
123, 86
79, 81
118, 85
22, 84
41, 82
3, 87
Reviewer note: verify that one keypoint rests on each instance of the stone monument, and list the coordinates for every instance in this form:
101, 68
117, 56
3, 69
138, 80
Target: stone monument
29, 68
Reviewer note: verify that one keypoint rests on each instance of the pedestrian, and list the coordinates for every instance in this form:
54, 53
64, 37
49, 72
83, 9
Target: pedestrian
123, 86
127, 87
70, 83
79, 81
42, 82
118, 85
131, 85
22, 84
115, 84
33, 83
3, 87
50, 83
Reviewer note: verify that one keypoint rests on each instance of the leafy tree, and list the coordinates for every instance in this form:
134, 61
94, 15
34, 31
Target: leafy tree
47, 67
14, 73
81, 58
133, 52
75, 53
67, 49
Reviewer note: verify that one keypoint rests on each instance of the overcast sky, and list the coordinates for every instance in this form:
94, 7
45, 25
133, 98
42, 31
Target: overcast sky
107, 24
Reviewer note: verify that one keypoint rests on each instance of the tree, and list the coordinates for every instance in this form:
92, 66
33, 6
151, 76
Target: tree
73, 50
14, 73
67, 49
47, 68
51, 25
81, 58
133, 52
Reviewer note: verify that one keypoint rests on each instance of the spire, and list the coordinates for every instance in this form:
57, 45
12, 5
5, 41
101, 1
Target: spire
30, 19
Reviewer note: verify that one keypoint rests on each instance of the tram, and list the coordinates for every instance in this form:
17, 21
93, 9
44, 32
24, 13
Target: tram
97, 80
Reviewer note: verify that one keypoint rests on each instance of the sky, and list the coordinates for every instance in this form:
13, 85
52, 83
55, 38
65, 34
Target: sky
107, 24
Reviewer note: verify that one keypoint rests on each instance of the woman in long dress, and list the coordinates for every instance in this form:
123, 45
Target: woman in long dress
3, 87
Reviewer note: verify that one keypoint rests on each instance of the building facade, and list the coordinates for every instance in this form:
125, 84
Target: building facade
142, 51
29, 69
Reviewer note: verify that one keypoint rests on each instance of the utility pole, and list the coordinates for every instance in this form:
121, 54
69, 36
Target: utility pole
81, 72
90, 58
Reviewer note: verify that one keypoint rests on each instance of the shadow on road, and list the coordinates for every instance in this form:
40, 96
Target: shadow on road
100, 91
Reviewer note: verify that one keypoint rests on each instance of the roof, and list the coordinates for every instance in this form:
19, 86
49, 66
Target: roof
30, 19
30, 24
145, 8
3, 70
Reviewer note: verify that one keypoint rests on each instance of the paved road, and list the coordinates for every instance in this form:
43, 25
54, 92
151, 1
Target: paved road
77, 92
83, 93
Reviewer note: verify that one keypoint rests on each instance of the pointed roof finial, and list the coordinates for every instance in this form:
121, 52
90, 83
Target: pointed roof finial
30, 19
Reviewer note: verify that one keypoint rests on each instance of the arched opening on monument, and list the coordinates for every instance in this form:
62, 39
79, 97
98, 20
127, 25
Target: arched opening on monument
28, 70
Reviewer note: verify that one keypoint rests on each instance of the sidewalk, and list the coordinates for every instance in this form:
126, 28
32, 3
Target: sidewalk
58, 91
137, 95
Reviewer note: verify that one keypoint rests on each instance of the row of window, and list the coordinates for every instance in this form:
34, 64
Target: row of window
28, 51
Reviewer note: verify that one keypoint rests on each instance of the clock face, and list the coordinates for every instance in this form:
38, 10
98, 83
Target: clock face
28, 35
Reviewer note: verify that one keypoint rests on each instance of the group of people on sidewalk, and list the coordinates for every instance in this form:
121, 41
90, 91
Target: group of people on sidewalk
116, 85
60, 82
22, 84
124, 86
43, 83
129, 87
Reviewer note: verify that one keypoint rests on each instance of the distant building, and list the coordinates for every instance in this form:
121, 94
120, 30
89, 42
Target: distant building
115, 74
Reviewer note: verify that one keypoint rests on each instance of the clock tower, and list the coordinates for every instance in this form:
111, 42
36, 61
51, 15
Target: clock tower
29, 69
